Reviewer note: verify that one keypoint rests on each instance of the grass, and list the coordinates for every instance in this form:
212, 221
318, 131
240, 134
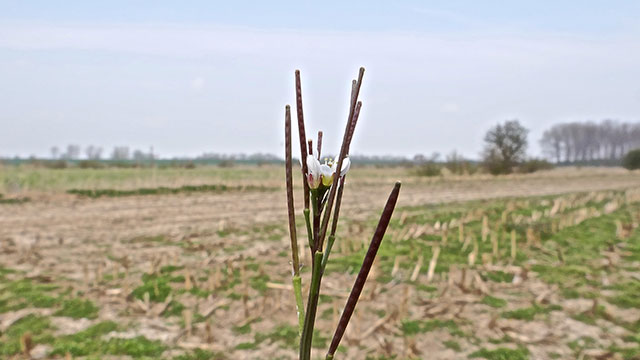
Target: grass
38, 326
627, 296
529, 313
498, 276
78, 308
494, 302
137, 347
453, 345
157, 286
501, 354
286, 336
198, 354
23, 293
18, 200
26, 178
84, 343
186, 189
413, 327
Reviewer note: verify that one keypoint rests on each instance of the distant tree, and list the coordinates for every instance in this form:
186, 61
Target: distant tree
631, 160
120, 153
505, 146
533, 165
93, 152
457, 164
588, 141
420, 159
551, 144
139, 155
72, 153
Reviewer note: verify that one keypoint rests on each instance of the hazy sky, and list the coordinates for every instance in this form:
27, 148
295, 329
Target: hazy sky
195, 76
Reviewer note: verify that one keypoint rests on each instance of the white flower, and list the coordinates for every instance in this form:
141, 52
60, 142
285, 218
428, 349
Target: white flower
328, 170
327, 174
314, 172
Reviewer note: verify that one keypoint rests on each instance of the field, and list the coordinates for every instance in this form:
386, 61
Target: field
194, 264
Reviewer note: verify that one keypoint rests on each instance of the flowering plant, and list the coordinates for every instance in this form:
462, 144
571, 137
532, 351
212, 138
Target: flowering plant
323, 186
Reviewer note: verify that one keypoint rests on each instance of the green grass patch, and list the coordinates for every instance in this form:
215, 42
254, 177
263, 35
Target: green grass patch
186, 189
38, 326
78, 308
497, 276
157, 286
502, 354
628, 295
19, 294
13, 201
494, 302
453, 345
198, 354
413, 327
285, 335
530, 312
246, 328
89, 342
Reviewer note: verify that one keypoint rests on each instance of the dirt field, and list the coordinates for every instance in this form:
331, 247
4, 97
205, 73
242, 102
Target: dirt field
206, 275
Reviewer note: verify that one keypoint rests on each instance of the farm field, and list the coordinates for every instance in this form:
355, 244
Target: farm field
538, 266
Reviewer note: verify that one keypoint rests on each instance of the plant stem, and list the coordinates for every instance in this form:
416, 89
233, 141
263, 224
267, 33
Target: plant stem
319, 144
303, 139
343, 153
295, 261
334, 224
327, 251
315, 205
297, 290
307, 220
312, 307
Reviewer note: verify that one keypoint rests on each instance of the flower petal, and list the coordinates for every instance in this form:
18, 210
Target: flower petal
314, 172
327, 174
313, 165
326, 170
346, 165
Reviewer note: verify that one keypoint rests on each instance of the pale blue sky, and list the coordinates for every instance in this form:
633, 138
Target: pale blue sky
195, 76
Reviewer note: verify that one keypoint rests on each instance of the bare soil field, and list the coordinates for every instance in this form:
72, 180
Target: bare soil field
536, 266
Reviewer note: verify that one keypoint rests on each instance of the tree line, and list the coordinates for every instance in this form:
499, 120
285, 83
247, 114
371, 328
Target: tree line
124, 153
119, 153
585, 142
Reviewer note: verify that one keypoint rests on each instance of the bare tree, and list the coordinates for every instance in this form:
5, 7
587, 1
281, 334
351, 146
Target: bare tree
505, 146
419, 159
120, 153
93, 152
72, 153
139, 155
551, 143
457, 164
55, 152
588, 142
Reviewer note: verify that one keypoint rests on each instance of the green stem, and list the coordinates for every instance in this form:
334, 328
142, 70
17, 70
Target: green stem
315, 206
308, 221
329, 357
312, 307
297, 290
327, 251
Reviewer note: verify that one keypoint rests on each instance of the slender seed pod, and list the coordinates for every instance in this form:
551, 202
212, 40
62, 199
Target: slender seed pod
383, 223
